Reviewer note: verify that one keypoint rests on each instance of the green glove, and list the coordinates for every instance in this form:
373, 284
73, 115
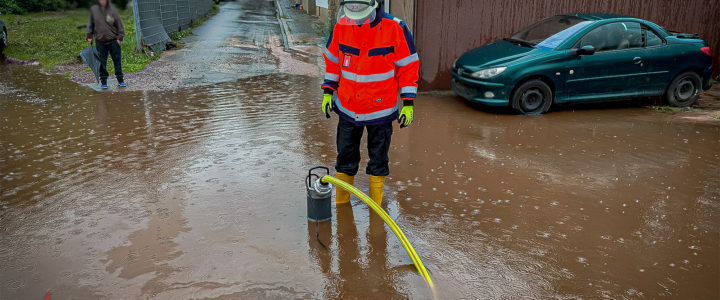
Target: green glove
327, 105
406, 116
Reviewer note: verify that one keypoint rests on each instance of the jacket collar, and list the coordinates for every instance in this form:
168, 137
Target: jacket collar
379, 14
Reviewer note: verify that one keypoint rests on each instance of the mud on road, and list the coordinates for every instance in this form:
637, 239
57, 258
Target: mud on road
197, 192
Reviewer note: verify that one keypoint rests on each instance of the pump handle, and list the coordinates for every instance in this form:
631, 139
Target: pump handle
308, 179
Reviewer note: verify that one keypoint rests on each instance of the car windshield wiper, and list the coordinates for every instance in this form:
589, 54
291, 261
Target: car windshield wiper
520, 42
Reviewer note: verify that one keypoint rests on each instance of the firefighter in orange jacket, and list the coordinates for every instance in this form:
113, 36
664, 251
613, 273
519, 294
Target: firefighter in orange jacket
371, 67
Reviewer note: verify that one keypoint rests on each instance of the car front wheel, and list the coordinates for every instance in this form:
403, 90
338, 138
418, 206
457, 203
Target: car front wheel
533, 97
684, 90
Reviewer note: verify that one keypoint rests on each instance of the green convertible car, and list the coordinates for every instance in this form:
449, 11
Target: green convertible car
582, 58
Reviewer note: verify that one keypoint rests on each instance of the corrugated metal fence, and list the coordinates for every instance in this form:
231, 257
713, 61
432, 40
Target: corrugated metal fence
156, 20
446, 29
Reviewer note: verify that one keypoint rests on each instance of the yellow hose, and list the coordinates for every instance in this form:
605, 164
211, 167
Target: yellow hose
389, 221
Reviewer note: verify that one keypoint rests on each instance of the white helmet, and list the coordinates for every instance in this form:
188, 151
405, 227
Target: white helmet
358, 10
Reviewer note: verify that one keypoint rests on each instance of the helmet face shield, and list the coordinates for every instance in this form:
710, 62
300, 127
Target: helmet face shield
353, 12
355, 7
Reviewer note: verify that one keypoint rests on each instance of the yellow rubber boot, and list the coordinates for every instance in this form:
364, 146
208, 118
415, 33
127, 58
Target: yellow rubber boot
341, 195
377, 185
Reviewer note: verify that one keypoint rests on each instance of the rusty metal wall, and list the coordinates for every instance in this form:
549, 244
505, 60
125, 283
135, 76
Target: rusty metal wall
444, 29
405, 10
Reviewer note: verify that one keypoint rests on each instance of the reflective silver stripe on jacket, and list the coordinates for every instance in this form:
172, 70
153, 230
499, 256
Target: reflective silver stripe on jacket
332, 77
408, 90
408, 60
368, 78
365, 117
331, 57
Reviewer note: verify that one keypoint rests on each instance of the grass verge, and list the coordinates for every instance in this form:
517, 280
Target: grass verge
57, 38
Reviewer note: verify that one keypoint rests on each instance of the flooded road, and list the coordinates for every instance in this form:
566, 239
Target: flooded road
198, 193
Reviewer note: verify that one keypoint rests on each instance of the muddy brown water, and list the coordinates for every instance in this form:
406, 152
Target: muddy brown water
199, 193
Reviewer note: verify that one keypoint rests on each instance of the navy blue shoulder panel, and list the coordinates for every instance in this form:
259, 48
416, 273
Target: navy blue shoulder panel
408, 38
388, 16
406, 31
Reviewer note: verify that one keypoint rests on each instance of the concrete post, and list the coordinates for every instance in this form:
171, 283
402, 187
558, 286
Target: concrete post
136, 17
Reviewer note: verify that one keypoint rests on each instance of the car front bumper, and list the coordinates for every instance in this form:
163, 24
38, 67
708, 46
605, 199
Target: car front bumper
477, 91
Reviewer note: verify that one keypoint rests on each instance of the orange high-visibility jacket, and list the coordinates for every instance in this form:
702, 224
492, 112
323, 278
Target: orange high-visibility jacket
368, 65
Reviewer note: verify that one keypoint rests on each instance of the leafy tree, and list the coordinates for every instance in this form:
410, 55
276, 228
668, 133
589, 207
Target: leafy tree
10, 7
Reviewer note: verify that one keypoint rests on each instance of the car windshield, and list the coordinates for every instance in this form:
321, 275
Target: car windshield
549, 33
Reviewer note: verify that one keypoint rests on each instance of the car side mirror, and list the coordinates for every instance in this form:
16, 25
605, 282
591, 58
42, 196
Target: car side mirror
584, 50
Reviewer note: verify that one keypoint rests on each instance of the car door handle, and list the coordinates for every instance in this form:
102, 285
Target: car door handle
637, 60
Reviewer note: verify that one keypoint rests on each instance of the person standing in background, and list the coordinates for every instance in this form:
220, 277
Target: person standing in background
106, 29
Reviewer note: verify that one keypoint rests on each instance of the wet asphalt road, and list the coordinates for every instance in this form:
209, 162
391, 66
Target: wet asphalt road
198, 193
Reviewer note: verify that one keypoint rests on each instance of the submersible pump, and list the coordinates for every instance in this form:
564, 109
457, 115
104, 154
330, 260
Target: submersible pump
319, 195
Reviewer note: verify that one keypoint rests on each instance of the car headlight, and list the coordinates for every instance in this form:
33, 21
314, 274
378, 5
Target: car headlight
488, 73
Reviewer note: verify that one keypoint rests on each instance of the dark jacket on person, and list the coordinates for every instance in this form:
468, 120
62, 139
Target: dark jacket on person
105, 25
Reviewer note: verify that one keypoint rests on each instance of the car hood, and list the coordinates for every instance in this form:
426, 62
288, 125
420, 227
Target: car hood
500, 53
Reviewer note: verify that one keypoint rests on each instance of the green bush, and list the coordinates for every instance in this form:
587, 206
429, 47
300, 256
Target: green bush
18, 7
25, 6
10, 7
82, 3
120, 4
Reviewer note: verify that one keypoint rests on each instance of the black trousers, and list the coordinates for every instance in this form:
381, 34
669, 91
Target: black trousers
348, 147
114, 49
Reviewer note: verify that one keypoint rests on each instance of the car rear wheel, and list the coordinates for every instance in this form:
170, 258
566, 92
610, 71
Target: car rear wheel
533, 97
684, 90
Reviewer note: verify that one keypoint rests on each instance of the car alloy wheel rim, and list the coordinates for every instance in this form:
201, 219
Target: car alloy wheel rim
532, 99
685, 89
